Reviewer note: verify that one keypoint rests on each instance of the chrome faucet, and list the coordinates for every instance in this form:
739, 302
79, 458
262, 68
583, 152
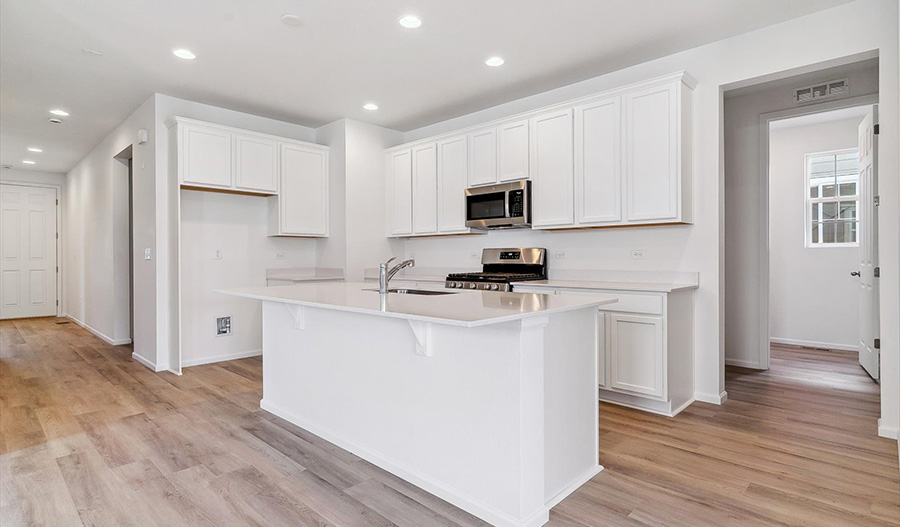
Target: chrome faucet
385, 274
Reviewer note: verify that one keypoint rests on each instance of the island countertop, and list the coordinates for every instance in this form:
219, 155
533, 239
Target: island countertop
457, 308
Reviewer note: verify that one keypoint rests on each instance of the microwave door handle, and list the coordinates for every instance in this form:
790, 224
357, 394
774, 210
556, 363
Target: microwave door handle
506, 203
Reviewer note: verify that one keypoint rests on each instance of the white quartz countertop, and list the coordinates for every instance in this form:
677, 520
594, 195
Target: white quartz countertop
305, 274
460, 308
606, 285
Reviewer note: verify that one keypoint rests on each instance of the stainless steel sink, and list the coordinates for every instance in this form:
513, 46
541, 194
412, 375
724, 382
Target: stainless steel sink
426, 292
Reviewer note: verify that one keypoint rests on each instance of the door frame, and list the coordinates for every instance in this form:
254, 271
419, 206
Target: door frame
60, 307
763, 353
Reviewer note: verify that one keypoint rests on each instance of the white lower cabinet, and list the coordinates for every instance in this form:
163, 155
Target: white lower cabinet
645, 355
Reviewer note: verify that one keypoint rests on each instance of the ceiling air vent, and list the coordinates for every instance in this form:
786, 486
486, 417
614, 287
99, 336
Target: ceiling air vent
822, 90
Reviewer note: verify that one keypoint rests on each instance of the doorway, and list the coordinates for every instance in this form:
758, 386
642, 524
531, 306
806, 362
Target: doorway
822, 233
123, 244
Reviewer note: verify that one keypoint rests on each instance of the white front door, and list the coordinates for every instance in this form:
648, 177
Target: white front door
868, 244
27, 252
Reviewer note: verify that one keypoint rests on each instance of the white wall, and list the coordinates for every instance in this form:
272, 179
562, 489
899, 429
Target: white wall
236, 225
332, 251
813, 299
864, 26
743, 311
91, 244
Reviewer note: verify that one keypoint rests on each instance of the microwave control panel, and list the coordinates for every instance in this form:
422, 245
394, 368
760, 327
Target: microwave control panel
516, 203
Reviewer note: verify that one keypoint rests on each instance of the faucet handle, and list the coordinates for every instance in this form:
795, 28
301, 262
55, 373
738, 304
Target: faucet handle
387, 263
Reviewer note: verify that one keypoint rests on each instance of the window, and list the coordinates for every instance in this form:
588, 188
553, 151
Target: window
832, 183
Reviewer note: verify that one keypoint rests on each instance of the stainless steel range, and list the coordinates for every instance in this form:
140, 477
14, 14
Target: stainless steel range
502, 267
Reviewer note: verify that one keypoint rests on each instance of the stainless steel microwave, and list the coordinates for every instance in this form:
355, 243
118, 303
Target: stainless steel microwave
503, 206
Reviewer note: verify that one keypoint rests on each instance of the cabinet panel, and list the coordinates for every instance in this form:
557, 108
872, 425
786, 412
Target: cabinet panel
453, 177
400, 193
551, 169
651, 164
207, 157
636, 354
513, 151
425, 189
303, 201
256, 163
598, 162
602, 350
483, 157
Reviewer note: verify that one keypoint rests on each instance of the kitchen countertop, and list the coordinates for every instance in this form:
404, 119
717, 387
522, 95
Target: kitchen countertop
462, 308
607, 285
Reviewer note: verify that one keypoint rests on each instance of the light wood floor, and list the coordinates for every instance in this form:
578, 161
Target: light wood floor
90, 437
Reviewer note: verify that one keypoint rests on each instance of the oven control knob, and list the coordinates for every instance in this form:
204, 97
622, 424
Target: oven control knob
459, 284
495, 287
472, 286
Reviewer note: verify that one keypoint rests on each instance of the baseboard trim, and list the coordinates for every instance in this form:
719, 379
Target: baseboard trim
741, 363
105, 338
146, 362
890, 432
221, 358
711, 398
813, 344
463, 501
564, 493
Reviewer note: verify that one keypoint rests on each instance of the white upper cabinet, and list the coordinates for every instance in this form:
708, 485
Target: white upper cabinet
399, 192
425, 189
453, 177
255, 163
205, 156
302, 206
483, 157
651, 153
598, 162
512, 151
551, 169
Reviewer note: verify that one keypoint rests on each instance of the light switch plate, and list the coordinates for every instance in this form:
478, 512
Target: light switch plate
147, 254
217, 255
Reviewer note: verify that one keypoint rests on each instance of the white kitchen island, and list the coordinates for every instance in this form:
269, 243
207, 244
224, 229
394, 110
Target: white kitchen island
485, 399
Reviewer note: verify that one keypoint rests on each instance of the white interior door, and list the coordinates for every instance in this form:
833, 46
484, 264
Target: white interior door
27, 251
868, 245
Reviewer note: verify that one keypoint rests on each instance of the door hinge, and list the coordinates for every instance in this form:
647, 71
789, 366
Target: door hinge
57, 235
877, 129
57, 202
877, 272
877, 200
877, 344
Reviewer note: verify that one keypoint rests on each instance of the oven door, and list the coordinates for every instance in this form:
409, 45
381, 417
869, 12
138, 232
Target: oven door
499, 206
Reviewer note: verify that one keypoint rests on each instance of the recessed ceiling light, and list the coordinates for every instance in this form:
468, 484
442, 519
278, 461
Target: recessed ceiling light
494, 61
61, 113
28, 161
410, 21
185, 54
292, 20
370, 106
33, 149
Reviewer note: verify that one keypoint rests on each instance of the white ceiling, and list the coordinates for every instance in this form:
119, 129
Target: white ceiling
346, 53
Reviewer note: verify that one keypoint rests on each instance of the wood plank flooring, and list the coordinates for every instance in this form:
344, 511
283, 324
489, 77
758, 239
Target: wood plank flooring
88, 437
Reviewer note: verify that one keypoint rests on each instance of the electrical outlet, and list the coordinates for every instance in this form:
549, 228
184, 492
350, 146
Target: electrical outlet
147, 254
412, 256
279, 255
223, 326
474, 255
561, 255
637, 254
217, 255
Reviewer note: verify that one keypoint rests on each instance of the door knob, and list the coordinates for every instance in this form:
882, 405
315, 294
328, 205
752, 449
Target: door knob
854, 273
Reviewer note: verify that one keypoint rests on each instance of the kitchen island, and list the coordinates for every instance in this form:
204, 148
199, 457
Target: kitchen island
485, 399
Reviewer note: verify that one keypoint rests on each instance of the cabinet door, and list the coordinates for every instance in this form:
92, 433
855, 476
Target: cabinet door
651, 154
207, 157
483, 157
425, 189
636, 354
602, 348
453, 176
399, 210
598, 162
255, 163
303, 200
513, 151
551, 170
